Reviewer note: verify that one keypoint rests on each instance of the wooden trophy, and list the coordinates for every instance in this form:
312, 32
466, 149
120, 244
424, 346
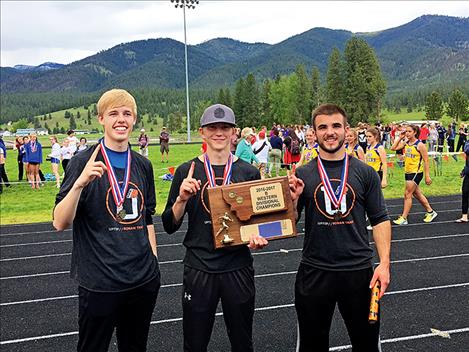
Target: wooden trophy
262, 207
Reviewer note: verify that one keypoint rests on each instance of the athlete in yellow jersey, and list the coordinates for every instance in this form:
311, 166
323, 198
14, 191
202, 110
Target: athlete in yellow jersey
310, 149
352, 147
376, 155
416, 166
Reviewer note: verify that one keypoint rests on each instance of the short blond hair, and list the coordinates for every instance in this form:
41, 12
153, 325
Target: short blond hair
116, 98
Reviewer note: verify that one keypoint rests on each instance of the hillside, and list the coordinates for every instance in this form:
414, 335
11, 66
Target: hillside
423, 52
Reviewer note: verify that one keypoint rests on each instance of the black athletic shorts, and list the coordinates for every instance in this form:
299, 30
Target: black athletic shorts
417, 178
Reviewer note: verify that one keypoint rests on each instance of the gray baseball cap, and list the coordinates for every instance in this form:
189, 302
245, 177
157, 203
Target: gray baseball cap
217, 113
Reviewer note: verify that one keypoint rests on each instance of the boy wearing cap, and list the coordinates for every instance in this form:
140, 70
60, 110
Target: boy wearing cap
210, 274
108, 193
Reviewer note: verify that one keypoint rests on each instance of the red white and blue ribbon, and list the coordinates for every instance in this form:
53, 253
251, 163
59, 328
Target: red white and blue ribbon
335, 197
211, 174
118, 192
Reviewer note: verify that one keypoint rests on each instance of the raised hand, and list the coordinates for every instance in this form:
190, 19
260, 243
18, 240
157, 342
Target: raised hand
189, 185
92, 170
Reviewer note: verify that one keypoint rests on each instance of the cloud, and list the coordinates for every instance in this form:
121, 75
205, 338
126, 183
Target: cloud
62, 31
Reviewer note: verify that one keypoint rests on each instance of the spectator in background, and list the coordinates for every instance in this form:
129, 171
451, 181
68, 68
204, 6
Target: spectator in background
34, 156
465, 186
66, 153
261, 149
275, 154
20, 148
352, 147
424, 133
292, 149
310, 150
55, 159
25, 157
143, 142
234, 140
450, 137
2, 166
432, 138
72, 140
82, 146
441, 137
164, 144
361, 132
463, 133
3, 174
244, 149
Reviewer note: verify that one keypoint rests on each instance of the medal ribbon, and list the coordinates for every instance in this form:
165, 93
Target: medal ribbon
335, 197
118, 192
211, 174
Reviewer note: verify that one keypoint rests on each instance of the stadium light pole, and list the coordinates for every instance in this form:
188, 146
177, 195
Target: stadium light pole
190, 4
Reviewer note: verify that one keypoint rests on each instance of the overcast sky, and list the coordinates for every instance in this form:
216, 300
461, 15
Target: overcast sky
33, 32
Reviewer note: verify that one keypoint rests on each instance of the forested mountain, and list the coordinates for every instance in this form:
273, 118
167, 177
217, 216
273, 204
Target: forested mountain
425, 51
430, 51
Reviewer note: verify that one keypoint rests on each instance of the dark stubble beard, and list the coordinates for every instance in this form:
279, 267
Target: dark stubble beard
332, 151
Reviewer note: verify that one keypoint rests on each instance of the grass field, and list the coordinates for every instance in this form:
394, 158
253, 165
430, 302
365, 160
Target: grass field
20, 204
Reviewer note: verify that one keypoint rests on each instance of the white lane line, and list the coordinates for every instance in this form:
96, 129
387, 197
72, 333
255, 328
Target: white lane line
429, 258
405, 338
33, 275
32, 232
258, 253
36, 257
338, 348
256, 276
32, 243
185, 221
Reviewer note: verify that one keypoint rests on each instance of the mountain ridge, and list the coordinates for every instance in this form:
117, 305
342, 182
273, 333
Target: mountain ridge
427, 50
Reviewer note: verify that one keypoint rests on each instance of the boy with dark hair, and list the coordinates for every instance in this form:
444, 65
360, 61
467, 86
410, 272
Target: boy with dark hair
337, 191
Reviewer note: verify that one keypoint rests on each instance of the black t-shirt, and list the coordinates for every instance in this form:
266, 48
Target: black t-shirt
112, 255
201, 253
344, 244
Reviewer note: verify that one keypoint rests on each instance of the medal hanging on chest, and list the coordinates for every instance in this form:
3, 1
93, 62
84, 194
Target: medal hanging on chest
335, 197
118, 192
211, 174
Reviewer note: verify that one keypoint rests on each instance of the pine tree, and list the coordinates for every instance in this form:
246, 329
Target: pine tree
252, 107
363, 81
78, 114
72, 123
266, 104
303, 96
221, 96
334, 79
228, 100
239, 103
458, 105
434, 106
315, 88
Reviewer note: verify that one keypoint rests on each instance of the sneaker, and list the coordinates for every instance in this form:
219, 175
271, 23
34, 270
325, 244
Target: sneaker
430, 216
400, 221
369, 228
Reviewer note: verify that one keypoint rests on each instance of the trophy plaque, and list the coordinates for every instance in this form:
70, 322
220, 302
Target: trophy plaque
262, 207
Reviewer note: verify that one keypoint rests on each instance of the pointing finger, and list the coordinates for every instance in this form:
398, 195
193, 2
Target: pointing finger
191, 170
293, 169
95, 153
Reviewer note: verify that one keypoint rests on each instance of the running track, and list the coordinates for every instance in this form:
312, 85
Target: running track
429, 289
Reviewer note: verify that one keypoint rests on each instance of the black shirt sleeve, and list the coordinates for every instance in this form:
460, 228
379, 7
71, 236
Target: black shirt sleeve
151, 197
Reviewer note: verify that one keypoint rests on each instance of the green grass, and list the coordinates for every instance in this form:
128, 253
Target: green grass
21, 204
